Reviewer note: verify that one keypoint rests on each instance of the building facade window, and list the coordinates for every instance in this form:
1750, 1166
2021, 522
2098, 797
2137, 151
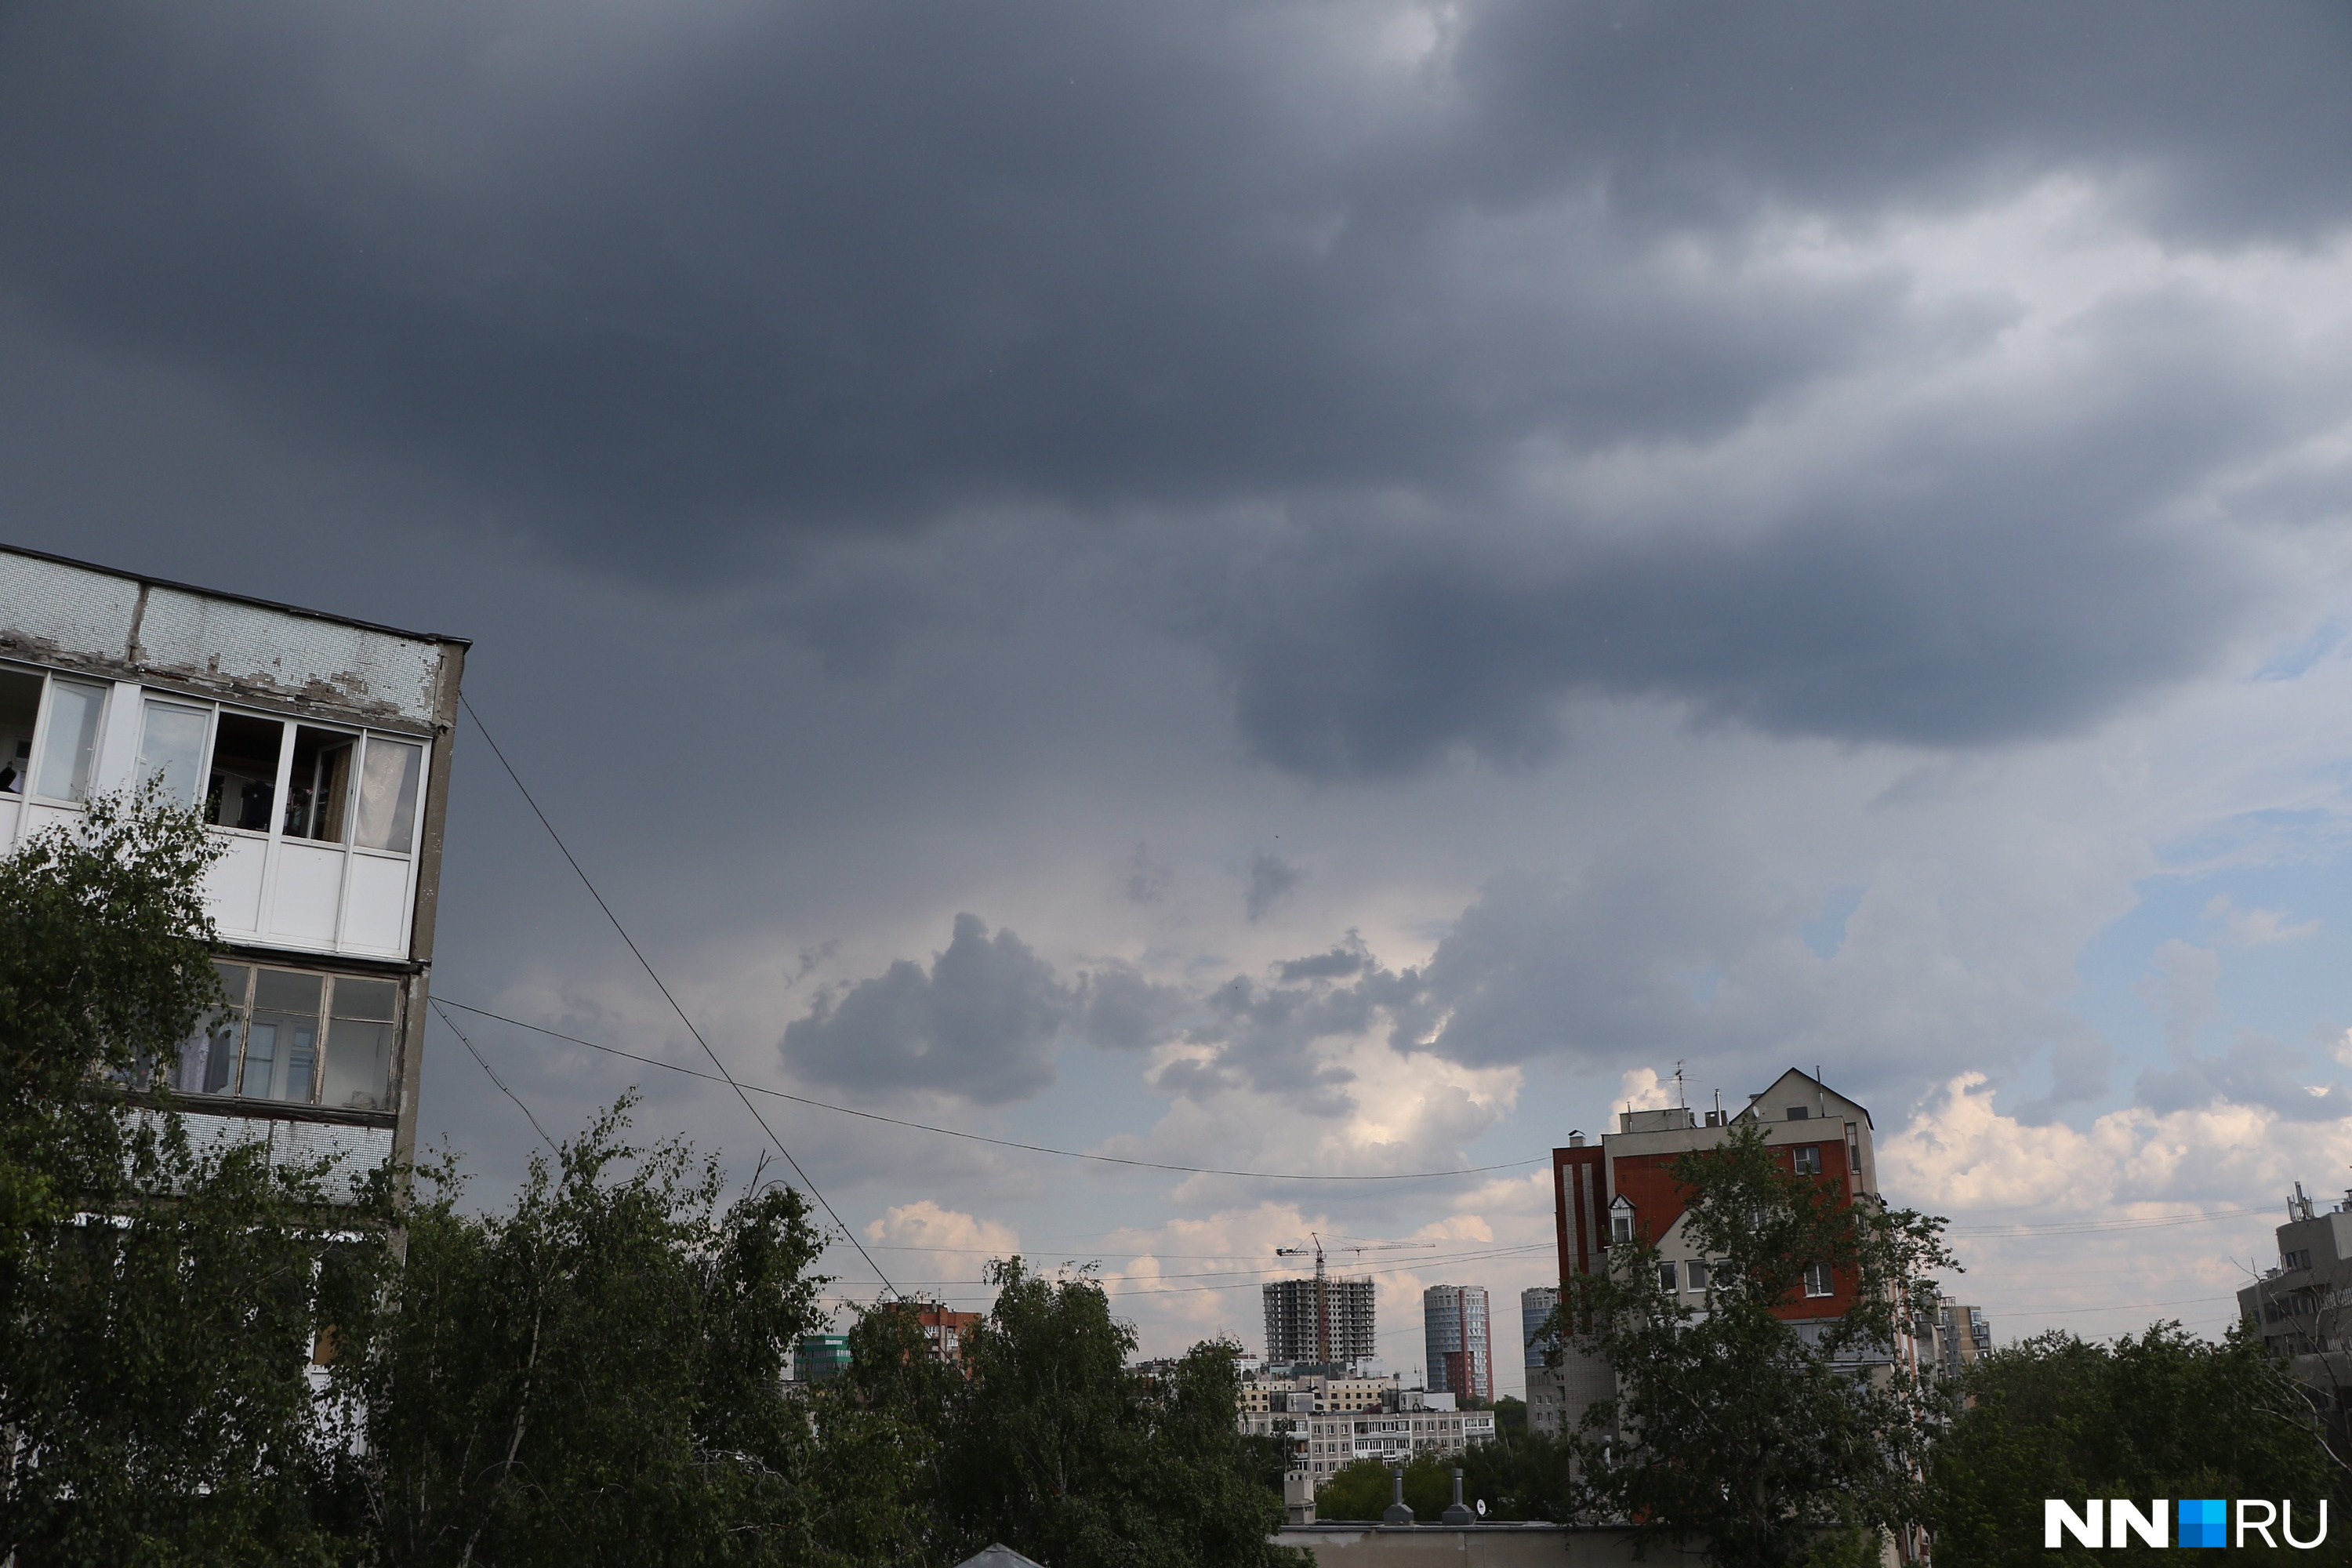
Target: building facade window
296, 1036
1667, 1278
1809, 1159
69, 726
1819, 1281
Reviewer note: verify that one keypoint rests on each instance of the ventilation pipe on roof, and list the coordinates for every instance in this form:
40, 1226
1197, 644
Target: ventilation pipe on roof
1457, 1514
1398, 1513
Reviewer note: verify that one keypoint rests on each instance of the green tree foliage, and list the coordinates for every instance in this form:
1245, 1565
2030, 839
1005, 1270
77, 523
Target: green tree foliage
2163, 1415
159, 1300
104, 969
1520, 1475
594, 1377
1732, 1431
1046, 1442
1523, 1475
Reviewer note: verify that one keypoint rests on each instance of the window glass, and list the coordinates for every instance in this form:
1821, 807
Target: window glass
1695, 1274
358, 1044
1809, 1160
388, 792
209, 1058
69, 740
172, 749
318, 797
1666, 1278
20, 703
245, 771
282, 1044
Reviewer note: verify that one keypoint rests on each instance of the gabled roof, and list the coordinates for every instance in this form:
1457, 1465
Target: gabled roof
998, 1556
1808, 1089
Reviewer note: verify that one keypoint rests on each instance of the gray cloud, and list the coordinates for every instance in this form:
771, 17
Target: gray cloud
1271, 880
670, 294
2256, 1071
980, 1024
1123, 1011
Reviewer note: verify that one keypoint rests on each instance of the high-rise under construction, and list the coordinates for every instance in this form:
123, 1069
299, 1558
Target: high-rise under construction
1326, 1320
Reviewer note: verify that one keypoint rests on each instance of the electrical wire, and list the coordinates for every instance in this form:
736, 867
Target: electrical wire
2076, 1227
1001, 1142
510, 1094
653, 974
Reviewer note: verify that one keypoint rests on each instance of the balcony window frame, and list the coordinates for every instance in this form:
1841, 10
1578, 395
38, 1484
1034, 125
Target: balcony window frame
241, 1008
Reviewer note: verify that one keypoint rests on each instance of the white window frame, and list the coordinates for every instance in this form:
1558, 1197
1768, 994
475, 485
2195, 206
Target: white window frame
103, 764
40, 754
1806, 1158
1821, 1280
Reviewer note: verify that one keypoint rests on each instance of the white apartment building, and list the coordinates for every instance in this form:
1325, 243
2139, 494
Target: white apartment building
1334, 1422
318, 749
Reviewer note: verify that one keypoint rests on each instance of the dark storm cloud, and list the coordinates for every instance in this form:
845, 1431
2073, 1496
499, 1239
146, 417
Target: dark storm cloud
661, 285
981, 1023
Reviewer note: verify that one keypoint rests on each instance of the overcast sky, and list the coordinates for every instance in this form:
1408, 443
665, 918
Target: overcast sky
1304, 588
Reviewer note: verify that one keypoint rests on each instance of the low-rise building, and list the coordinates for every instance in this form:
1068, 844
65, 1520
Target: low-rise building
1266, 1391
1332, 1421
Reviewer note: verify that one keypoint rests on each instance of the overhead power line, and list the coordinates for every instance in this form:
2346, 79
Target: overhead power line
2074, 1227
999, 1143
655, 977
452, 1025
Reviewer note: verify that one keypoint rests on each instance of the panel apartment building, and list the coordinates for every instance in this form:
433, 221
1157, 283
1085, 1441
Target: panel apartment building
1623, 1188
2302, 1305
1330, 1422
318, 749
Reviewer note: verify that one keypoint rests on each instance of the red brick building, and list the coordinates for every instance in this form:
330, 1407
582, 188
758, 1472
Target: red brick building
1621, 1188
947, 1334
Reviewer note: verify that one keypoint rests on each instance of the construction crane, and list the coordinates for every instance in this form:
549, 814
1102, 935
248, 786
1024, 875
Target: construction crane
1322, 1283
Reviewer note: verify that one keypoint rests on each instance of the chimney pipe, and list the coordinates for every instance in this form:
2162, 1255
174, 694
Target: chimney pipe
1398, 1513
1457, 1514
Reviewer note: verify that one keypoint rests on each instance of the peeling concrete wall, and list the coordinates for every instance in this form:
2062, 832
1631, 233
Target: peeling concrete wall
131, 628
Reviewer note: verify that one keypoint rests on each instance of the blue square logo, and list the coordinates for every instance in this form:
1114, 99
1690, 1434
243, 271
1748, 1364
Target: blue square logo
2204, 1521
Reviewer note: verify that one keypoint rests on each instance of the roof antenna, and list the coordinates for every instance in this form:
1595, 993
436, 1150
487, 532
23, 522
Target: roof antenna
1681, 1100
